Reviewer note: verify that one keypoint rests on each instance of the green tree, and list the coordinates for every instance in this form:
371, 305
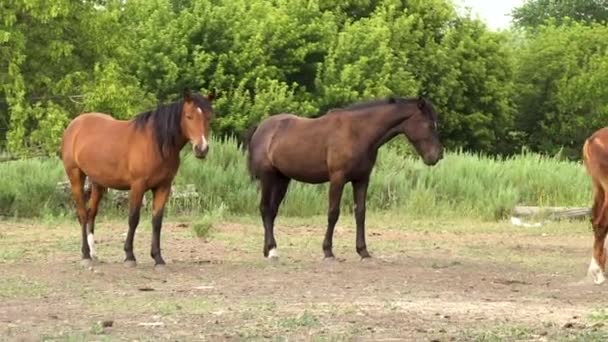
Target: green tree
561, 78
533, 13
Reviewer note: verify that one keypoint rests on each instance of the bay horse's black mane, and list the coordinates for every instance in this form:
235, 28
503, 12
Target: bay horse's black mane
166, 120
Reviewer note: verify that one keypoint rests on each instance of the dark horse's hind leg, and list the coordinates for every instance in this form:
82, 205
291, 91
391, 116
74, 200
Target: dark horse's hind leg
135, 198
336, 186
360, 194
274, 188
97, 192
76, 177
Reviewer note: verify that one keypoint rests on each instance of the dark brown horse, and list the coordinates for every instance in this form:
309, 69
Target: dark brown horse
595, 159
138, 155
340, 147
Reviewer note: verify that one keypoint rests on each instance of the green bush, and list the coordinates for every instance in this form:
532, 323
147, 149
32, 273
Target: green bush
462, 184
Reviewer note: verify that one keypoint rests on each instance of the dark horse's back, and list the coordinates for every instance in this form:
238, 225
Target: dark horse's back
291, 146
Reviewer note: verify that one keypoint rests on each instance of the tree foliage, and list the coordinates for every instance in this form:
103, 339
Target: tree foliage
494, 91
534, 13
562, 82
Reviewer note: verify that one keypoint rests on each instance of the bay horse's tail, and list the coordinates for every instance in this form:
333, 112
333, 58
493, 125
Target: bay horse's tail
247, 146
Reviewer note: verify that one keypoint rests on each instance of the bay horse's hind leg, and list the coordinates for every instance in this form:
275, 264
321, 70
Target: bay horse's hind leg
160, 196
274, 187
97, 192
136, 196
599, 222
76, 178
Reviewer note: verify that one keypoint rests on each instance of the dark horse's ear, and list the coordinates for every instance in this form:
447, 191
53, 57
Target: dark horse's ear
187, 94
392, 100
421, 102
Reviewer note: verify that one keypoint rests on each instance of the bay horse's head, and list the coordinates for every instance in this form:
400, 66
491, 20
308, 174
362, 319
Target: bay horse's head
196, 117
421, 129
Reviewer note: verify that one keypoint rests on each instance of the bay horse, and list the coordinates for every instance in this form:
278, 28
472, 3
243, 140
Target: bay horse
138, 155
338, 147
595, 159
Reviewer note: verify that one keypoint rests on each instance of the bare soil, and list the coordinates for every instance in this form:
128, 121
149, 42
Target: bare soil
427, 281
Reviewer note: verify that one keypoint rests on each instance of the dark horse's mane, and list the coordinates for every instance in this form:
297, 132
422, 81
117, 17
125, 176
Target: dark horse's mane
371, 104
166, 121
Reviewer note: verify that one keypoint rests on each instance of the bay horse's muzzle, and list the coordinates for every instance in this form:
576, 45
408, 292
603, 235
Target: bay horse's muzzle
201, 151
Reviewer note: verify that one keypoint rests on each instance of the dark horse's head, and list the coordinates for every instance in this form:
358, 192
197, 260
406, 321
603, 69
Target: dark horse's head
421, 129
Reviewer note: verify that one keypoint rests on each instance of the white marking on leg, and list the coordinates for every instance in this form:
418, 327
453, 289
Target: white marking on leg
596, 272
273, 254
91, 241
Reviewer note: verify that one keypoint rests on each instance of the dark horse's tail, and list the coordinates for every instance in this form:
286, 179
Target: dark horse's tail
247, 146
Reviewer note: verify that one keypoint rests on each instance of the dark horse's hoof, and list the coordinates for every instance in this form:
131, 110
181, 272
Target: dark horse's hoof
130, 263
160, 268
329, 259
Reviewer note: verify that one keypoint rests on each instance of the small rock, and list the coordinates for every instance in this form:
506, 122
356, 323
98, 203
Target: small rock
107, 323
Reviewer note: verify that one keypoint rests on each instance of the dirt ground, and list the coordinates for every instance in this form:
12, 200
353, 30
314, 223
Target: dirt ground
429, 280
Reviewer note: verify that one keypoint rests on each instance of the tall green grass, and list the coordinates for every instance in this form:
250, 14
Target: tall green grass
462, 184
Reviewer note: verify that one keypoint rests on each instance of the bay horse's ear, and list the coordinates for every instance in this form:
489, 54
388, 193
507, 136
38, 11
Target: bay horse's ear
187, 94
211, 96
392, 100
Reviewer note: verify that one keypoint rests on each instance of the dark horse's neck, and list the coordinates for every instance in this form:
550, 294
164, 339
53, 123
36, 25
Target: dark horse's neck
382, 121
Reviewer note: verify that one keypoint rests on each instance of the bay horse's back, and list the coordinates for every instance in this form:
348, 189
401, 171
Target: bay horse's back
83, 124
595, 154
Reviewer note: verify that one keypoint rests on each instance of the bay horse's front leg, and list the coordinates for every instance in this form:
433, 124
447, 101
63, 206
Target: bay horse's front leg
336, 186
599, 222
360, 195
135, 198
161, 195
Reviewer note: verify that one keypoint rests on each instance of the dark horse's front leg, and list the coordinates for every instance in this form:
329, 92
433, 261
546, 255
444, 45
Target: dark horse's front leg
135, 198
360, 194
336, 186
274, 188
161, 194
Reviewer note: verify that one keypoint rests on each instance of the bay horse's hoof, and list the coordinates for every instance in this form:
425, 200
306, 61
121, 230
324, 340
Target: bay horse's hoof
86, 263
273, 255
160, 268
329, 258
367, 258
130, 263
596, 273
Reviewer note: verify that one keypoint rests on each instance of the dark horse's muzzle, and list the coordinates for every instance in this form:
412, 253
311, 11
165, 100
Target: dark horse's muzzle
432, 152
